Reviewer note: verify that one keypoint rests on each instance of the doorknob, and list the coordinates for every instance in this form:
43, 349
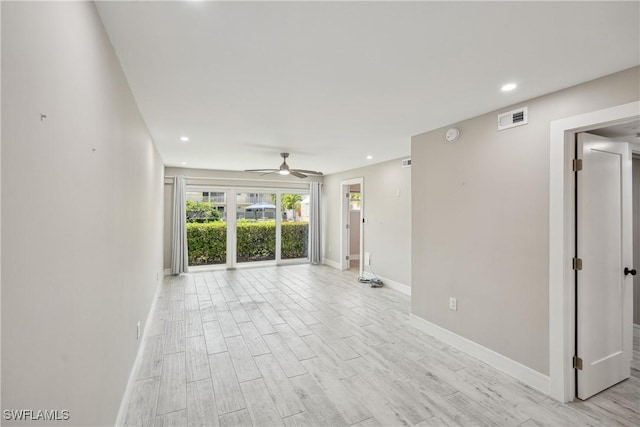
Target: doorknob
631, 272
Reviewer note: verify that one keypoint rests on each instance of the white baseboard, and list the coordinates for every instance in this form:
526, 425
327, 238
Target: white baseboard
331, 263
636, 331
517, 370
354, 257
167, 272
124, 404
396, 286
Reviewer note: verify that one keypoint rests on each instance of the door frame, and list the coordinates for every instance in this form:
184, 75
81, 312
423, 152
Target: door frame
344, 220
562, 240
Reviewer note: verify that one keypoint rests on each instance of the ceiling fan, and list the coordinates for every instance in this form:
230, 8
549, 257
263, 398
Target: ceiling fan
284, 169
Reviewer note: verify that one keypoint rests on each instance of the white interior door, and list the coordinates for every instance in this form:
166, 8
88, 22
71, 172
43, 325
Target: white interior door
604, 292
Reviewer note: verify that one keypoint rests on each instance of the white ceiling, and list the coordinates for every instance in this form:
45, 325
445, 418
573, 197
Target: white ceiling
332, 82
629, 131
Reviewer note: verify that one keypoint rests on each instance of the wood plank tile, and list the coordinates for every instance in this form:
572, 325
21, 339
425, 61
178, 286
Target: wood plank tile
285, 398
253, 339
243, 363
303, 315
213, 337
285, 358
201, 404
394, 374
294, 342
176, 311
400, 395
238, 312
377, 405
191, 302
142, 406
173, 384
197, 360
227, 324
339, 346
193, 323
174, 338
337, 365
239, 418
302, 419
151, 365
316, 401
346, 404
370, 422
295, 323
173, 419
272, 316
259, 403
225, 384
260, 322
207, 313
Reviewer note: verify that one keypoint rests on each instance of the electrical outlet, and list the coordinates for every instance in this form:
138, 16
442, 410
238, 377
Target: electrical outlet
453, 304
138, 331
367, 258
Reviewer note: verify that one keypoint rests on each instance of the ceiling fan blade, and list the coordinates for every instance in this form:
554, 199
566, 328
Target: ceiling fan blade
269, 173
297, 173
309, 172
261, 170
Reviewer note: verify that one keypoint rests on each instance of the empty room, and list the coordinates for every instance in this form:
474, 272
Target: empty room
320, 213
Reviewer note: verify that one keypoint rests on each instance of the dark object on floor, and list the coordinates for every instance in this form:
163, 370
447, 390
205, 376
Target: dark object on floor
374, 283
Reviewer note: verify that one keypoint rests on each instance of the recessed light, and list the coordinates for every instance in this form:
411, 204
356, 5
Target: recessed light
184, 138
369, 157
508, 87
184, 163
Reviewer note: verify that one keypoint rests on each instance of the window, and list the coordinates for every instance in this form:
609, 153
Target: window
354, 201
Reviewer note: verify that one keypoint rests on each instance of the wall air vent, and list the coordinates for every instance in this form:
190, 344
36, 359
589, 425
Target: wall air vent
513, 118
406, 163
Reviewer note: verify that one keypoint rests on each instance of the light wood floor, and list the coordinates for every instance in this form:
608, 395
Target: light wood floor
308, 345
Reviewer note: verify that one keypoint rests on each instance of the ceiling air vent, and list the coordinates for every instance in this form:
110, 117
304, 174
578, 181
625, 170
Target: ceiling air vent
406, 163
513, 118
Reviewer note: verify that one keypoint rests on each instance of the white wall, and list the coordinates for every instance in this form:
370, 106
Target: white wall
387, 234
481, 221
81, 214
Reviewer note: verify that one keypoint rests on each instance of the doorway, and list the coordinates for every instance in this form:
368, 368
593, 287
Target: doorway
562, 238
352, 225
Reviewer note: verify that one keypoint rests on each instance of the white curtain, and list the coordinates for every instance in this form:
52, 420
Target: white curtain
179, 256
314, 223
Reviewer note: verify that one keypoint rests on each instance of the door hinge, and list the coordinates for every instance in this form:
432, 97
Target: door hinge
577, 165
347, 257
347, 226
577, 363
577, 263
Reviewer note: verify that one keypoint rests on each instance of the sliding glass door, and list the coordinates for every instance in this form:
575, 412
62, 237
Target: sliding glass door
235, 226
255, 227
207, 227
294, 211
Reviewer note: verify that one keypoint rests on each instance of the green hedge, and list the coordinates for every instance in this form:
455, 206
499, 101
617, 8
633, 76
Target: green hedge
295, 242
256, 241
207, 243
